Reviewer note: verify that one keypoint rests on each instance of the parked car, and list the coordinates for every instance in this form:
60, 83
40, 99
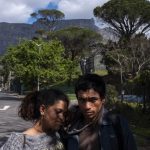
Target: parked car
132, 98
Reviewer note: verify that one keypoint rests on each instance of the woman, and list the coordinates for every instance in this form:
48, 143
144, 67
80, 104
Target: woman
46, 108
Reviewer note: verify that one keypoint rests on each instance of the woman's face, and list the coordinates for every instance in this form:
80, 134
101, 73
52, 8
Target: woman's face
54, 115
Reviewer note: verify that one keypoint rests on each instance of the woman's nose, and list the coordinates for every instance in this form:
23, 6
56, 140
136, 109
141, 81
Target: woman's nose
61, 117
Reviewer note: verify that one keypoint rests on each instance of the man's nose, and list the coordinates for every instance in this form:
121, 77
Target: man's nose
87, 105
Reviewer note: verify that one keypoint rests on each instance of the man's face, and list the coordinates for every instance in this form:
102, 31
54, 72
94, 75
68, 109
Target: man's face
90, 103
54, 115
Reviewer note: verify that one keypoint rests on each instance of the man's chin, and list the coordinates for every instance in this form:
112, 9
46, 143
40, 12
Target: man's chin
89, 118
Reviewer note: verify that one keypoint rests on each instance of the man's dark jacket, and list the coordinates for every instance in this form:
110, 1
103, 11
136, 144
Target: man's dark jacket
114, 133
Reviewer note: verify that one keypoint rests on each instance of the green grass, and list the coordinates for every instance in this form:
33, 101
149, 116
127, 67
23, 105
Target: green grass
68, 89
144, 132
139, 121
72, 96
101, 72
141, 141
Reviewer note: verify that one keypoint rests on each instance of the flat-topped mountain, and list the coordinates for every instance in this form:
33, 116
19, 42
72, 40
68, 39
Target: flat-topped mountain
12, 33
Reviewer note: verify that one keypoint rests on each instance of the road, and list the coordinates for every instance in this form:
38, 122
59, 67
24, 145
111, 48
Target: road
9, 120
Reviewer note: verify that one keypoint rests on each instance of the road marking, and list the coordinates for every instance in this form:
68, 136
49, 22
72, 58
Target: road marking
5, 107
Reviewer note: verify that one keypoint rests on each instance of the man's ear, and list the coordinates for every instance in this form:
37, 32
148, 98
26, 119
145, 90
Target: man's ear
103, 101
42, 109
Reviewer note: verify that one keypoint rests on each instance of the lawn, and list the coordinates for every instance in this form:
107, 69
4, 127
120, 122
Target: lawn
68, 89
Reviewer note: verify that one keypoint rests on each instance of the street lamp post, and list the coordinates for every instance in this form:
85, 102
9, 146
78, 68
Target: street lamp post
122, 95
84, 64
9, 81
38, 78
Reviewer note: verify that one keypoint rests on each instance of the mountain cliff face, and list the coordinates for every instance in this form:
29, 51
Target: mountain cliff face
12, 33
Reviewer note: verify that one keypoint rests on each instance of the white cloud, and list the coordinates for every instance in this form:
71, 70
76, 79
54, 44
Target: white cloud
79, 9
19, 10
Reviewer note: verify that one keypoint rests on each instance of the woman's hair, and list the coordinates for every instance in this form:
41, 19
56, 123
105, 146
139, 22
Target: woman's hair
29, 108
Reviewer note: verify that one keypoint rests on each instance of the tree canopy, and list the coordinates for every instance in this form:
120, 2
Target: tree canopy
132, 60
77, 42
48, 17
125, 17
33, 59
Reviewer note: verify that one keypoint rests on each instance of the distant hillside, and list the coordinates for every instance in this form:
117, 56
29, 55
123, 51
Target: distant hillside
12, 33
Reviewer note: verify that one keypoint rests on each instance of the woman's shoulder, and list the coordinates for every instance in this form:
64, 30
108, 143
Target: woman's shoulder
15, 136
14, 142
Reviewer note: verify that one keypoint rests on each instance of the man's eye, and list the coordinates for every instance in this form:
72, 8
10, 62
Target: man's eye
93, 99
81, 100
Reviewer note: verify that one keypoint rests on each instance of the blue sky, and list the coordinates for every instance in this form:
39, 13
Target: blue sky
18, 11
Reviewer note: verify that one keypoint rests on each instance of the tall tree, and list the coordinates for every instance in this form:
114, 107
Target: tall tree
125, 17
77, 43
141, 88
133, 60
37, 60
129, 62
47, 17
4, 71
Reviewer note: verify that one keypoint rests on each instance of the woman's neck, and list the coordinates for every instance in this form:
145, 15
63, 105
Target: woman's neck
35, 130
38, 127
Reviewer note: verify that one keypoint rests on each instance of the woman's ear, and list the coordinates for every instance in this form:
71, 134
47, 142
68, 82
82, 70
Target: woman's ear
42, 109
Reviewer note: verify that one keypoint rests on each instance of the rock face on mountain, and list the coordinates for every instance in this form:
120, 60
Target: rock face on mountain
12, 33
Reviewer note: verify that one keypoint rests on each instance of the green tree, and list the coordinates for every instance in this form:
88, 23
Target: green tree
142, 86
132, 60
129, 62
125, 17
47, 17
37, 60
77, 43
4, 70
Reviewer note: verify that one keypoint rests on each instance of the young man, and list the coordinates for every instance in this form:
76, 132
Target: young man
91, 126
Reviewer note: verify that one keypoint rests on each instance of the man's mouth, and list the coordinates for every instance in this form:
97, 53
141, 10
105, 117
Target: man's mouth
88, 113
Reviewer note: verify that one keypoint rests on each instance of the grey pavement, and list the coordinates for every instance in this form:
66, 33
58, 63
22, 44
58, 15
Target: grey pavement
9, 120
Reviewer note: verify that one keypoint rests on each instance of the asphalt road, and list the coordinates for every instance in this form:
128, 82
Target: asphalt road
9, 120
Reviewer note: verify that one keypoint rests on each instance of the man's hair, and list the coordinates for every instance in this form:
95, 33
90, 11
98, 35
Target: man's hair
90, 81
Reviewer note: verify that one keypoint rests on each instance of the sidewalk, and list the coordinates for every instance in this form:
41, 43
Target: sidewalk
16, 95
13, 94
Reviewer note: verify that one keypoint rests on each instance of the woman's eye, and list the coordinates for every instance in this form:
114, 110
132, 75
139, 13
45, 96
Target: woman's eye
59, 111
